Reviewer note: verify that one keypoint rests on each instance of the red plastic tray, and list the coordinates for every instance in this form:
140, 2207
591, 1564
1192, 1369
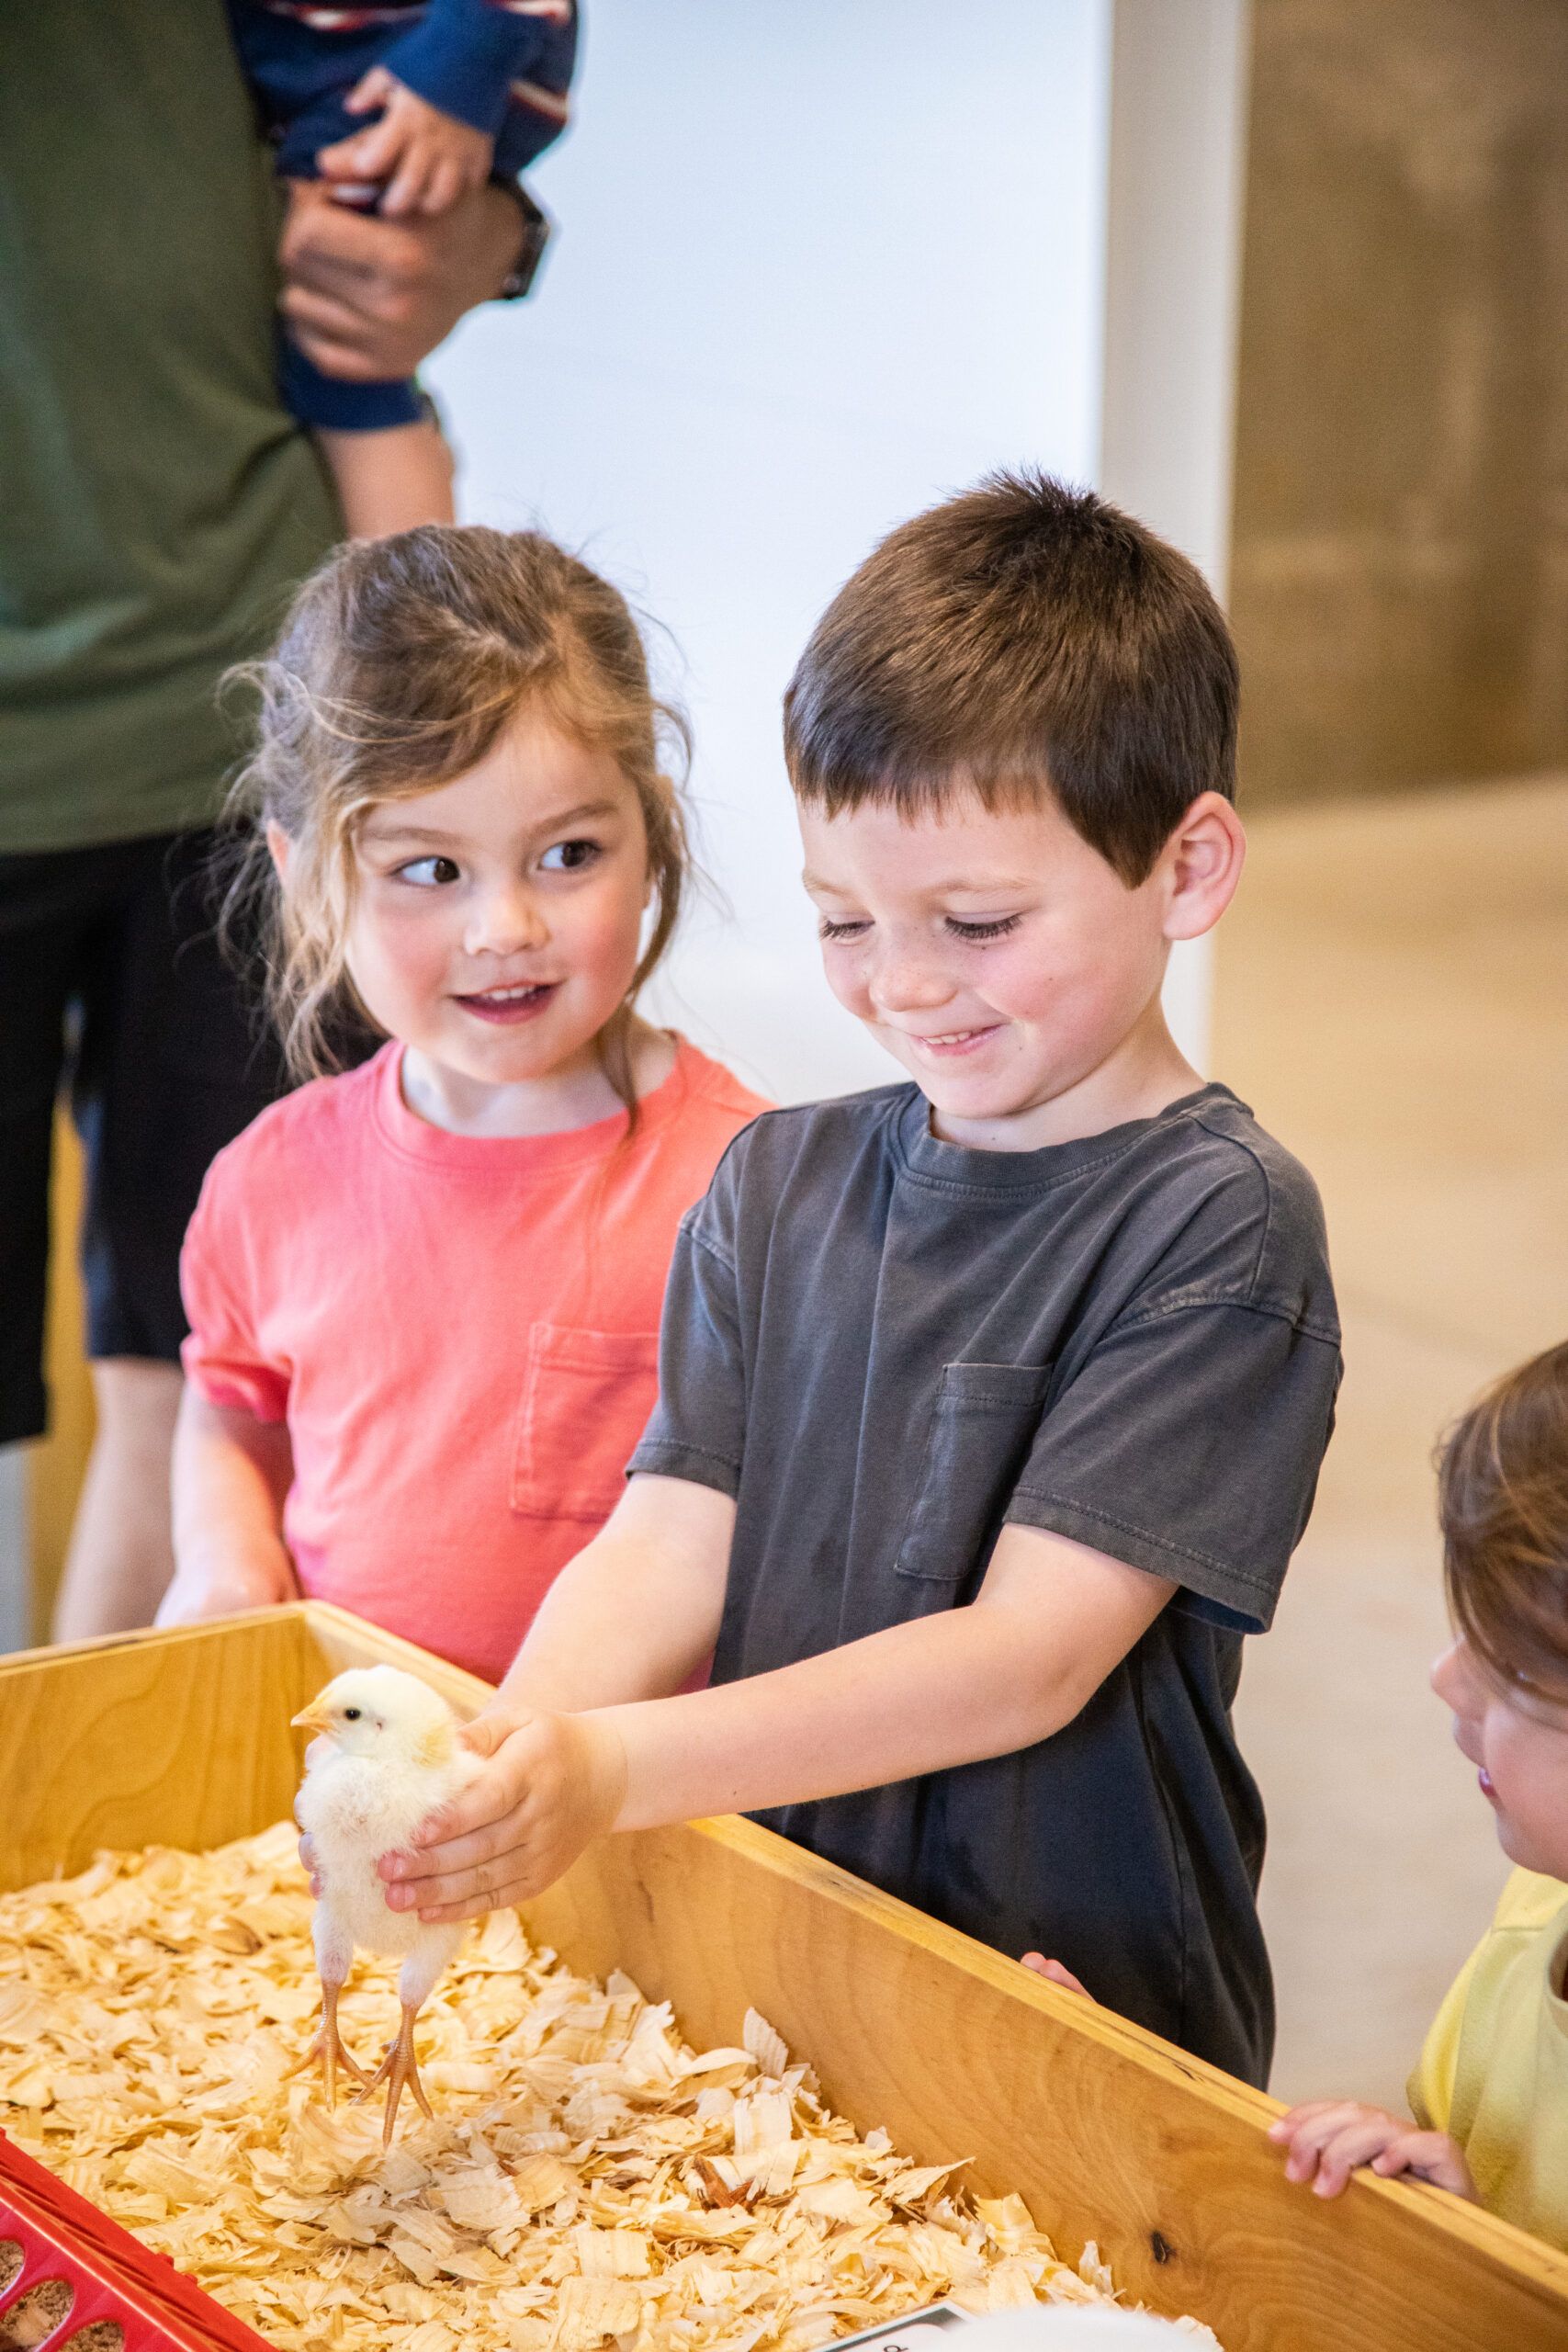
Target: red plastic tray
62, 2236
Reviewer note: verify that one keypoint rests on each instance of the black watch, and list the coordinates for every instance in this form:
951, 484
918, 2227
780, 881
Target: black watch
536, 229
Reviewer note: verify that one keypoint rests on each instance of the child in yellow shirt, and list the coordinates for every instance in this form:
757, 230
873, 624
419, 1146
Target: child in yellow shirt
1490, 2093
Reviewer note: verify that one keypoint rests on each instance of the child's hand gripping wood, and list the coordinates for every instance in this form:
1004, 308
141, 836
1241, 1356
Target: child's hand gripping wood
388, 1754
1328, 2138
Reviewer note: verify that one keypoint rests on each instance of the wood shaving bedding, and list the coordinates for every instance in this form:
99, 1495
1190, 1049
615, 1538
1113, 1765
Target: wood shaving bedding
588, 2175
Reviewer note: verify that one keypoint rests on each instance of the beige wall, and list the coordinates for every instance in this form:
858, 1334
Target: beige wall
1400, 572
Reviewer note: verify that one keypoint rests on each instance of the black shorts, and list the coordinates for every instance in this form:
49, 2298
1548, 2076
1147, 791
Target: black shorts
110, 975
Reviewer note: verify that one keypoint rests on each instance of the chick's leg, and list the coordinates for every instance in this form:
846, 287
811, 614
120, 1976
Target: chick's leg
335, 1957
328, 2048
399, 2067
416, 1981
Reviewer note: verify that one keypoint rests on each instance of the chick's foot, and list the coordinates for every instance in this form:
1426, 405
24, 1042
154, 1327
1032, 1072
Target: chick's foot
398, 2067
328, 2049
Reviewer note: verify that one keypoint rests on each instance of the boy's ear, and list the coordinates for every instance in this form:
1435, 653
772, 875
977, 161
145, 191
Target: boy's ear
278, 847
1201, 865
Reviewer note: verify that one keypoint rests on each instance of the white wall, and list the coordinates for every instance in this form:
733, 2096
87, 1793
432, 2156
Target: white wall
817, 265
1177, 167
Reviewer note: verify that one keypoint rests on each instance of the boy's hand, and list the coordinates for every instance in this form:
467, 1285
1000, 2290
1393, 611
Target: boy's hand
551, 1785
426, 158
1328, 2138
1055, 1974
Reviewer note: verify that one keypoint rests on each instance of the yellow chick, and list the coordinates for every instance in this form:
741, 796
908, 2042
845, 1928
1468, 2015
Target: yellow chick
388, 1755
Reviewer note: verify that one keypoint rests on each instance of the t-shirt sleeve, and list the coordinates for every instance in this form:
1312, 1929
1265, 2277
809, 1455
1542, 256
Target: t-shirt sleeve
224, 1361
1431, 2090
1189, 1444
698, 1428
469, 57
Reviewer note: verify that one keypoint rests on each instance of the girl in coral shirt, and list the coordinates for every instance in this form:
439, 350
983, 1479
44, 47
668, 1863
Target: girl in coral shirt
424, 1297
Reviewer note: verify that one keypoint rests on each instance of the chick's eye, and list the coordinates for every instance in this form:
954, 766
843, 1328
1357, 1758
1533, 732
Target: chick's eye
350, 1714
429, 873
569, 858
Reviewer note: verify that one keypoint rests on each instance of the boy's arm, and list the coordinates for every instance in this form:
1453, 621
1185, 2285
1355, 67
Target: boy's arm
1050, 1621
635, 1613
232, 1473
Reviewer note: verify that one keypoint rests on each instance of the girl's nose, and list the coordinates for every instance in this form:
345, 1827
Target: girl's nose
503, 921
1451, 1679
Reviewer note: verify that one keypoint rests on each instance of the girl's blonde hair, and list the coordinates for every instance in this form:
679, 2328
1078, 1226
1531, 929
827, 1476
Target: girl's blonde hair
401, 662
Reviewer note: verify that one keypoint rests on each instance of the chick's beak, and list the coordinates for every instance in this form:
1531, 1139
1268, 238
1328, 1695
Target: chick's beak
313, 1718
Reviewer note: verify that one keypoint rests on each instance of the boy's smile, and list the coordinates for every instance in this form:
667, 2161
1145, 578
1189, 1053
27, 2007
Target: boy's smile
1006, 964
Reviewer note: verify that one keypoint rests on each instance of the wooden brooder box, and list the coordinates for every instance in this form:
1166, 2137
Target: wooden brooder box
182, 1738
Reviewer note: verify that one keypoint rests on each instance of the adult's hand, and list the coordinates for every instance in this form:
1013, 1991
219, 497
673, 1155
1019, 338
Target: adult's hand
365, 298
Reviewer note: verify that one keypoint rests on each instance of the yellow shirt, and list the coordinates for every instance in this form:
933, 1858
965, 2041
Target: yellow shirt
1493, 2071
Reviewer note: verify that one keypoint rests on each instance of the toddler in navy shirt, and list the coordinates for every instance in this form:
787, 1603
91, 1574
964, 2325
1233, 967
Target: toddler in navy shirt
457, 92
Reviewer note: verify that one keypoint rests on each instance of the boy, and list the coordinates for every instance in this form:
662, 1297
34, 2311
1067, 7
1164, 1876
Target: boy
991, 1405
461, 91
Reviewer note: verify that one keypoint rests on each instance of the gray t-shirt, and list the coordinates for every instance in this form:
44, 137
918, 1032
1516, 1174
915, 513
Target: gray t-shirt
885, 1347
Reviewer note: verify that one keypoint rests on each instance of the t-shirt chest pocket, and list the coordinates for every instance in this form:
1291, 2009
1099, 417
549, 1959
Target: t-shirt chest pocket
586, 1397
982, 1426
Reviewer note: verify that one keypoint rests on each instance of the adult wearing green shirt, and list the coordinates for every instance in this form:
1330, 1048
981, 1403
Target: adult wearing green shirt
157, 507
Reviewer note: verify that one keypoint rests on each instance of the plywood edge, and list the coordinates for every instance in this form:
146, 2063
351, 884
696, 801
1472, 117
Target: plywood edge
765, 1849
179, 1736
904, 2003
344, 1640
1526, 2260
143, 1637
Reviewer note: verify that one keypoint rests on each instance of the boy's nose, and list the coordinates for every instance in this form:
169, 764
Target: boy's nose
904, 985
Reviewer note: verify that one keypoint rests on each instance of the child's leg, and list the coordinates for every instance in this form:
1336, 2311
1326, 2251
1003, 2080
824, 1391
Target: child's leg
389, 480
382, 443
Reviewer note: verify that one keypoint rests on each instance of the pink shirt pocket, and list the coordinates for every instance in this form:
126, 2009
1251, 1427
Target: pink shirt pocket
586, 1397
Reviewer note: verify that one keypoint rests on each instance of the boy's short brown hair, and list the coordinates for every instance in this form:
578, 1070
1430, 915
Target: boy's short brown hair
1021, 636
1503, 1501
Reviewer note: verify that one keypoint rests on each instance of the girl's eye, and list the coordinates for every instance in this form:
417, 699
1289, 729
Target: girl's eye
570, 857
826, 930
428, 873
975, 931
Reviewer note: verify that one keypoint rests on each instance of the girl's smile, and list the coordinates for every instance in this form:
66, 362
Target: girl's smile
523, 1002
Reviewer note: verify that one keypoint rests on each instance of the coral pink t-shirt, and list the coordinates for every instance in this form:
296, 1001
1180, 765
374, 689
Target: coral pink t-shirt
461, 1333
